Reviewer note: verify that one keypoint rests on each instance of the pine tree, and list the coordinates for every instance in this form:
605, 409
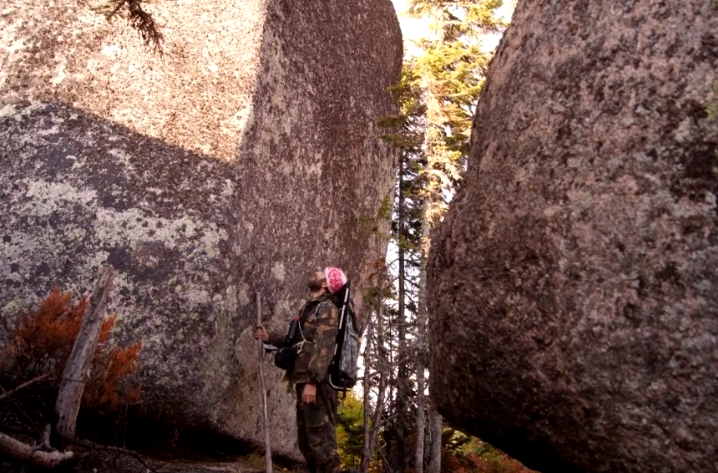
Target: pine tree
438, 92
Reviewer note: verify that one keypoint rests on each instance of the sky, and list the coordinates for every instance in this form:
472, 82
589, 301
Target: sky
414, 29
411, 28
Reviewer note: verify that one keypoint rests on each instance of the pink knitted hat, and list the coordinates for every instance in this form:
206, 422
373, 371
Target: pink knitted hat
336, 279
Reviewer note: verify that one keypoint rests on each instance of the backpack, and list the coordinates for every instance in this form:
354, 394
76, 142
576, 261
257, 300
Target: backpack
286, 357
344, 367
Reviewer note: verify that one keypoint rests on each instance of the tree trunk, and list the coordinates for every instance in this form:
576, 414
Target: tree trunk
383, 372
398, 459
420, 419
78, 365
420, 384
435, 154
367, 449
435, 429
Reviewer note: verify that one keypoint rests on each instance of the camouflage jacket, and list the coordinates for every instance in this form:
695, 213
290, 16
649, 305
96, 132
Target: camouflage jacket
320, 332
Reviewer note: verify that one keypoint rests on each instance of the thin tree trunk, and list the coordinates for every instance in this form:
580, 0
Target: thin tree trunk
420, 397
435, 153
78, 364
420, 419
382, 368
389, 353
366, 451
402, 391
421, 322
435, 428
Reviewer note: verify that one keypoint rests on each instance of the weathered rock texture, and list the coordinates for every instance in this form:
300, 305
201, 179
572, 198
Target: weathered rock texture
573, 288
244, 156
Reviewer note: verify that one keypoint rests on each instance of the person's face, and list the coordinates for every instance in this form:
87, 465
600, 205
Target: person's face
316, 281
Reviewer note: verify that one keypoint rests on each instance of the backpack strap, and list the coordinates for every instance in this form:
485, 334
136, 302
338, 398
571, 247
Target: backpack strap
306, 311
302, 318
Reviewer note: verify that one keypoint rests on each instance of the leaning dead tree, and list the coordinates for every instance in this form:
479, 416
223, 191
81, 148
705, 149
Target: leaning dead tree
77, 369
74, 377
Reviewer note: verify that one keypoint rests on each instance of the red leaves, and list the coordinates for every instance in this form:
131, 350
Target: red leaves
473, 463
39, 341
106, 391
42, 339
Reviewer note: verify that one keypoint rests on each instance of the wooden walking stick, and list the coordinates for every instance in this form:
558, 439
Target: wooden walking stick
267, 446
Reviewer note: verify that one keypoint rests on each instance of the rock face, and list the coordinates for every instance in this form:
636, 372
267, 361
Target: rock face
243, 157
573, 289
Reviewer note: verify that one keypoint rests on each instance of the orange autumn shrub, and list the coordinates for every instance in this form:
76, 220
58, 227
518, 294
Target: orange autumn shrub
473, 463
38, 342
111, 365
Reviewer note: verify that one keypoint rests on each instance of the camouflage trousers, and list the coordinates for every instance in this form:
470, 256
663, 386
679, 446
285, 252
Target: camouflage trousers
316, 429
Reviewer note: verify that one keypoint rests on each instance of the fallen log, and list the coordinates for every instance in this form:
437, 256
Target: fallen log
24, 452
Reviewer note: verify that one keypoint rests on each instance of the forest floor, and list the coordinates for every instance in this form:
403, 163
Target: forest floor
114, 463
114, 460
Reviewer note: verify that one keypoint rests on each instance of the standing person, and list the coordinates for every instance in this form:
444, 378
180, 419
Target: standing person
316, 399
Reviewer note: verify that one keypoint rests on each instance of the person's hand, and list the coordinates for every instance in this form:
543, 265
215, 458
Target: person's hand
309, 393
260, 333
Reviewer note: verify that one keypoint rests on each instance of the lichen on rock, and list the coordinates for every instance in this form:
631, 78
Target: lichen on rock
230, 165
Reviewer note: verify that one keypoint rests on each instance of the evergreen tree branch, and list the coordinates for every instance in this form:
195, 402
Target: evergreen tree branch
139, 20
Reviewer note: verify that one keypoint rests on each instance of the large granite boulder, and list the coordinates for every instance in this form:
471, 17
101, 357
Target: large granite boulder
244, 156
573, 287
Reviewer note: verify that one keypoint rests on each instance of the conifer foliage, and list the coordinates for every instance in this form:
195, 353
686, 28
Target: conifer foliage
438, 93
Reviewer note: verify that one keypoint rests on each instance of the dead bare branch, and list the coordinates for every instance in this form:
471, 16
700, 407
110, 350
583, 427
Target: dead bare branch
34, 380
88, 444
